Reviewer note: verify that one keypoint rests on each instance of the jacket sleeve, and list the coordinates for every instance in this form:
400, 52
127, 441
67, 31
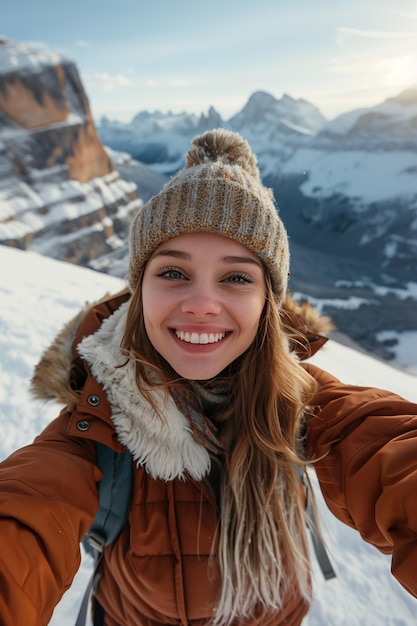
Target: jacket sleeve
363, 442
48, 499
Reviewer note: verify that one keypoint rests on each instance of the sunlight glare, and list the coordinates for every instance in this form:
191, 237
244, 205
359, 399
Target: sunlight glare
400, 71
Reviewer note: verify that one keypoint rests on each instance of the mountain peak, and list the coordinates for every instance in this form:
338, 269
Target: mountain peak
408, 97
290, 115
262, 96
15, 57
390, 123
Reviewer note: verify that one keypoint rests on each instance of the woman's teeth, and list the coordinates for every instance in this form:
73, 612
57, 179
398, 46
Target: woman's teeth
199, 337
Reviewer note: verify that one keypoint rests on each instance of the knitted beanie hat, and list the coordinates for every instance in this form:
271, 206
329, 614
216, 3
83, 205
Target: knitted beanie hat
219, 191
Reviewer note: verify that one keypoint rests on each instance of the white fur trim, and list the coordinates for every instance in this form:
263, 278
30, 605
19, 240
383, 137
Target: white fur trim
166, 449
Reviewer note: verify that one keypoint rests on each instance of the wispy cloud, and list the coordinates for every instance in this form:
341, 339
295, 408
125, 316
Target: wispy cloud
374, 34
106, 81
407, 14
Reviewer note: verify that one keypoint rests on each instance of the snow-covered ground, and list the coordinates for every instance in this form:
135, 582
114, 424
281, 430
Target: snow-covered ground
403, 344
39, 294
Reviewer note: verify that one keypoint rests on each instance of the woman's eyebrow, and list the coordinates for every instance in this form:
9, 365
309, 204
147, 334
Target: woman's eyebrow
241, 259
179, 254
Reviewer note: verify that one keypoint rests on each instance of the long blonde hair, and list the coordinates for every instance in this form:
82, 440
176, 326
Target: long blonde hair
262, 548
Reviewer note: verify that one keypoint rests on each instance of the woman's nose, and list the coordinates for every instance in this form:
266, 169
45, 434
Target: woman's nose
201, 299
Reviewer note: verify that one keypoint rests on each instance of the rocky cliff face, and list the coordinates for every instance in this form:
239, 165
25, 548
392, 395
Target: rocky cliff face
60, 193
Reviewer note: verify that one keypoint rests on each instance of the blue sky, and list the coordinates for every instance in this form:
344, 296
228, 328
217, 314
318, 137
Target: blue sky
187, 55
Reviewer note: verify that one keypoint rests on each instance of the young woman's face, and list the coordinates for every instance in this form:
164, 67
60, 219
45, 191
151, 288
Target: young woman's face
203, 296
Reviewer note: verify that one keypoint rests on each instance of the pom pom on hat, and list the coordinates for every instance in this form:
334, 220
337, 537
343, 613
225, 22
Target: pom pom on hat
227, 148
219, 191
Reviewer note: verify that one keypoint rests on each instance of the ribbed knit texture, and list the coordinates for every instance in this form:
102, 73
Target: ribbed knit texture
220, 192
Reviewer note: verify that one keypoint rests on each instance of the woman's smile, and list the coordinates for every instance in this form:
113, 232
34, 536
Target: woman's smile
203, 296
199, 338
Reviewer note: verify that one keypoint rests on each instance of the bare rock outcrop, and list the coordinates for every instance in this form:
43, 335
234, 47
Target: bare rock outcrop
60, 193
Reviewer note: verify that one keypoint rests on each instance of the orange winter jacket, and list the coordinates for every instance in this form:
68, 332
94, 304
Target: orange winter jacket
157, 571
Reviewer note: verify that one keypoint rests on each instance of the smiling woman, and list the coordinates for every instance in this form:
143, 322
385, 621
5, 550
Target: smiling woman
196, 371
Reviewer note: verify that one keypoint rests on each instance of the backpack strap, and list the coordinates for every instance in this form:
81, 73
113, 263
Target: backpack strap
115, 495
318, 543
85, 603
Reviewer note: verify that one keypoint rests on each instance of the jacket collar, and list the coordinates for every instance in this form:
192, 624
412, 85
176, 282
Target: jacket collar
166, 448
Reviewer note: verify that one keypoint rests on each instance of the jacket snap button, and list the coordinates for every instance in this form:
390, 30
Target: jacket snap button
83, 425
93, 400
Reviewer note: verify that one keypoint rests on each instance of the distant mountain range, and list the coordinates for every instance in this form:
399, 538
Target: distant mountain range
348, 186
162, 139
346, 189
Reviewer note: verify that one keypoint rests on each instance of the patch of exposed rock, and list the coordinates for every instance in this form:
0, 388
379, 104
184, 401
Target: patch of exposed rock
60, 193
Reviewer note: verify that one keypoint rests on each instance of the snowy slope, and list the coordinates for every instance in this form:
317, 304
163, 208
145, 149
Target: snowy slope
364, 177
39, 295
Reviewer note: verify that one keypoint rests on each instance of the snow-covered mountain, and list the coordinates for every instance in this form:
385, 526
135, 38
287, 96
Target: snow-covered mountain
358, 183
263, 113
276, 127
60, 193
40, 295
161, 140
389, 124
158, 139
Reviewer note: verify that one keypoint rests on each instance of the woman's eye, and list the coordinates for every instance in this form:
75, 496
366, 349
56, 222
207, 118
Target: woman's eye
239, 277
171, 273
